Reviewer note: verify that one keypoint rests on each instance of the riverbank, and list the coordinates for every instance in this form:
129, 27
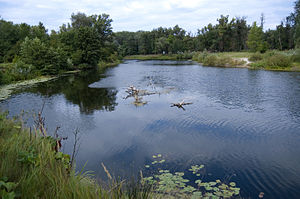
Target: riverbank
272, 60
7, 89
159, 57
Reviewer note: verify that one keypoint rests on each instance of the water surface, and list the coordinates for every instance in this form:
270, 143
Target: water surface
243, 125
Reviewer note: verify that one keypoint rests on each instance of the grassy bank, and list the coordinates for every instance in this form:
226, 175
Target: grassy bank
182, 56
231, 59
103, 65
271, 60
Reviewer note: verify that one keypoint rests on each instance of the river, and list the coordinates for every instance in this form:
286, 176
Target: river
243, 125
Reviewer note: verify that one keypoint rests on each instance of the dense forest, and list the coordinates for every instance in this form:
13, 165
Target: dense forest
86, 41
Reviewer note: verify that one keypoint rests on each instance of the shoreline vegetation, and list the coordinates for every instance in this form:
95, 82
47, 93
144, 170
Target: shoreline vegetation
7, 89
286, 61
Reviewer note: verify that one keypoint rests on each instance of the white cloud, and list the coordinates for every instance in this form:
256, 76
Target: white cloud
136, 15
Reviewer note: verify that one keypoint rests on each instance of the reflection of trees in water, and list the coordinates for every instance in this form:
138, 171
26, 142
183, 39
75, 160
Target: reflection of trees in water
76, 90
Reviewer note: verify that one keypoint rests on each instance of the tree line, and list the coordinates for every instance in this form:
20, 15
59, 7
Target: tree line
227, 35
89, 40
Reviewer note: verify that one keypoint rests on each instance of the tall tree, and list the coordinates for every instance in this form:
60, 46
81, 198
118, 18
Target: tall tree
255, 40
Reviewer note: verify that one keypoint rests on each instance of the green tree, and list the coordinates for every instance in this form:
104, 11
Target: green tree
255, 40
44, 59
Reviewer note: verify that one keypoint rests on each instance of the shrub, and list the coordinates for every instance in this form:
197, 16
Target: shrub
296, 55
274, 59
199, 57
184, 56
256, 57
1, 77
43, 59
279, 60
210, 60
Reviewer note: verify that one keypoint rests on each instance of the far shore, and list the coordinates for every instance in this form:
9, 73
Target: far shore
240, 60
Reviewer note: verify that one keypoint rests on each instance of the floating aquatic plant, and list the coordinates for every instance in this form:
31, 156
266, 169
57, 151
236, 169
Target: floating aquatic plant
176, 185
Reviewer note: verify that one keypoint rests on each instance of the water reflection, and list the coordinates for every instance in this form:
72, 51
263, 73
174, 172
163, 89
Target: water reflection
76, 91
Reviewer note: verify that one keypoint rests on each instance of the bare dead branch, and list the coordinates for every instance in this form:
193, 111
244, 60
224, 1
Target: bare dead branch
75, 146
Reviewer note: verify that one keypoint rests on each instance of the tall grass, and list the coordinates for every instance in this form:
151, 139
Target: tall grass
31, 168
178, 56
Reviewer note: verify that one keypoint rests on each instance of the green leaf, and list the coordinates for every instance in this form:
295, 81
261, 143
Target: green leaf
147, 166
179, 173
212, 183
59, 155
9, 186
232, 184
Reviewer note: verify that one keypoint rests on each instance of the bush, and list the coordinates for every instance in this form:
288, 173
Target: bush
210, 60
199, 57
256, 57
279, 60
17, 71
273, 59
184, 56
1, 77
296, 55
43, 59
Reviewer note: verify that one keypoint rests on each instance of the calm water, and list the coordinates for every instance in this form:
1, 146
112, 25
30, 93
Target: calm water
243, 125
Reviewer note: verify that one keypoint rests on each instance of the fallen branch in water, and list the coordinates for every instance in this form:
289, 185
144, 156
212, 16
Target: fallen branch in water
181, 104
134, 92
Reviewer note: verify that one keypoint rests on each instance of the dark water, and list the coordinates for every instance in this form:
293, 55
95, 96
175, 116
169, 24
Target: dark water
243, 125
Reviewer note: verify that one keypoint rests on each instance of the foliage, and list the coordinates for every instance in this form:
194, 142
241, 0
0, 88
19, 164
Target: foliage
7, 188
273, 60
41, 58
167, 183
256, 57
255, 40
17, 71
215, 59
296, 55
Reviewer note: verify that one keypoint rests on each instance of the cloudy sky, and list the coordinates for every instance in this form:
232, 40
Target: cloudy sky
133, 15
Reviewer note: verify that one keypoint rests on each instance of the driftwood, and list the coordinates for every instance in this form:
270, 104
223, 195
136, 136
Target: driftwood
181, 104
136, 93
